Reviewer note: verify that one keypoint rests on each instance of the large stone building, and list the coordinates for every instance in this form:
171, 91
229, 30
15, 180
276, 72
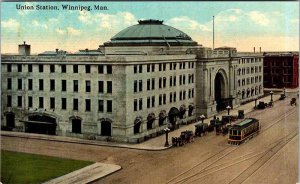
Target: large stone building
145, 78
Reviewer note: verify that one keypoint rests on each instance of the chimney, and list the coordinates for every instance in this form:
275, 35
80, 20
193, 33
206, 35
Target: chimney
259, 49
24, 49
254, 49
56, 51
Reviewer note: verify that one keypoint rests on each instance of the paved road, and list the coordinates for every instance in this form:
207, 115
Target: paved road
271, 157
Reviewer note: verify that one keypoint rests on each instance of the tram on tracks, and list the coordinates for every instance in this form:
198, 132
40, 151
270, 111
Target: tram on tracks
243, 131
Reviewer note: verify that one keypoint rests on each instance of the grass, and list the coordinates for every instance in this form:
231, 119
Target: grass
26, 168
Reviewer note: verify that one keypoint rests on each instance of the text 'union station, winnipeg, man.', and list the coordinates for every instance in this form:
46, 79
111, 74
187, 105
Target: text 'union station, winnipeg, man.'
147, 77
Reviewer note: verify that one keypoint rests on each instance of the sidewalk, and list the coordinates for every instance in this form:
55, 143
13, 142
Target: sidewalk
154, 144
87, 174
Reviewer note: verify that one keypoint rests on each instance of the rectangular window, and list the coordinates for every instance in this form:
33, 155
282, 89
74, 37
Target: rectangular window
141, 68
88, 105
164, 67
100, 105
41, 102
174, 80
52, 103
30, 101
19, 84
184, 65
109, 69
19, 101
41, 68
8, 101
63, 69
153, 67
160, 100
52, 84
180, 65
87, 68
64, 103
75, 85
171, 97
52, 68
135, 69
164, 82
153, 101
135, 105
180, 95
148, 102
135, 86
148, 84
75, 104
171, 81
29, 67
183, 79
109, 86
159, 67
164, 99
174, 97
41, 84
29, 84
100, 69
170, 66
140, 85
87, 86
159, 83
63, 85
8, 83
184, 95
174, 66
140, 104
148, 67
75, 68
180, 79
100, 87
19, 68
109, 106
153, 83
8, 67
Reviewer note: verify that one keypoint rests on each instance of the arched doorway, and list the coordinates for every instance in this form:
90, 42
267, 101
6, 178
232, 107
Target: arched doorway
182, 111
150, 120
162, 117
137, 125
76, 125
106, 128
173, 115
221, 90
41, 124
190, 111
10, 119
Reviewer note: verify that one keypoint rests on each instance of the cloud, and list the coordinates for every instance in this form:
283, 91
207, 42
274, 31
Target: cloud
60, 31
10, 24
25, 12
37, 24
187, 23
73, 31
259, 18
296, 21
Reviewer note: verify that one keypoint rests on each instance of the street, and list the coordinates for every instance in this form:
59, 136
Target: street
270, 157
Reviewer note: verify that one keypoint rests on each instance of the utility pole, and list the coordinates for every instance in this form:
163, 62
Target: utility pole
213, 32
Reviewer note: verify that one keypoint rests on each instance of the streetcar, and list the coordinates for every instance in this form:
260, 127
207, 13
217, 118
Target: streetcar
243, 131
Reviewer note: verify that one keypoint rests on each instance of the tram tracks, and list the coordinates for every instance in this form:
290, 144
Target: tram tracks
205, 166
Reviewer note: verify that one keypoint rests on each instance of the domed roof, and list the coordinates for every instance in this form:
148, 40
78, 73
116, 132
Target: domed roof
150, 32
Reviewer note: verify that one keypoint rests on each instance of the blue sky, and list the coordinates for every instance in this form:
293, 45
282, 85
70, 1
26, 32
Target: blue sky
270, 25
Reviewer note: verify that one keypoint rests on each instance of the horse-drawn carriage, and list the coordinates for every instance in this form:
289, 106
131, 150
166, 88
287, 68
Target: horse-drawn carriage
263, 105
293, 102
185, 137
282, 97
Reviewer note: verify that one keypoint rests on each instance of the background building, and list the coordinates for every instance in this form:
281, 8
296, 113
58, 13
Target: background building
145, 78
281, 70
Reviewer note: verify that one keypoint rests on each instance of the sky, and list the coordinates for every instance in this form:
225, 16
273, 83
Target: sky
273, 26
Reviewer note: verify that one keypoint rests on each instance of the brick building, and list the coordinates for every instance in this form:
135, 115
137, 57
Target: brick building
281, 70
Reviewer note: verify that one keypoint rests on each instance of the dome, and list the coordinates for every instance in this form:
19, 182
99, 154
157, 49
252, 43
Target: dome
151, 33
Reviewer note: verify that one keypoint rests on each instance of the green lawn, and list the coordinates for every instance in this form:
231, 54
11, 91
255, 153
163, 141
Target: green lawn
26, 168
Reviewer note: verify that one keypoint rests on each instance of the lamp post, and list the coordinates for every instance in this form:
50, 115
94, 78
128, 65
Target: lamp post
271, 93
202, 117
167, 130
228, 109
284, 91
255, 102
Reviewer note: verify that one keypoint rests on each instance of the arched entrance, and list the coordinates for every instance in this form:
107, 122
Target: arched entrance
190, 111
150, 120
173, 115
221, 90
10, 119
106, 128
41, 124
137, 125
162, 117
76, 124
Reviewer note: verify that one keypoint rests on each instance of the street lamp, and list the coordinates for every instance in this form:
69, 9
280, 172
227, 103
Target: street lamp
271, 93
167, 130
202, 117
255, 102
284, 91
228, 109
